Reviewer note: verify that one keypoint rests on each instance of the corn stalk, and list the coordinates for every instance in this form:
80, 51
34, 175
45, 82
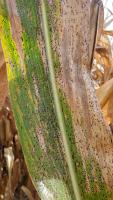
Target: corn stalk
66, 143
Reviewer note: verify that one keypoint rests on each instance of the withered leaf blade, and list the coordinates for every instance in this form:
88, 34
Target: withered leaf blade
96, 26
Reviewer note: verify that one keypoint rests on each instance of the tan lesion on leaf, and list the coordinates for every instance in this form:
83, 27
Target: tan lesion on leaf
92, 135
41, 140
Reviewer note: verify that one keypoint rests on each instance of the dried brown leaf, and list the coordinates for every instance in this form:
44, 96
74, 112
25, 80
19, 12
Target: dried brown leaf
104, 92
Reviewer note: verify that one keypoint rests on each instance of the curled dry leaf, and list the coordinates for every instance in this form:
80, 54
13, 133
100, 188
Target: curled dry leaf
104, 92
96, 25
8, 154
27, 192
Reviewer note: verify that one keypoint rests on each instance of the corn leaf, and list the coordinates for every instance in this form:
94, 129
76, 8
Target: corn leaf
57, 114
